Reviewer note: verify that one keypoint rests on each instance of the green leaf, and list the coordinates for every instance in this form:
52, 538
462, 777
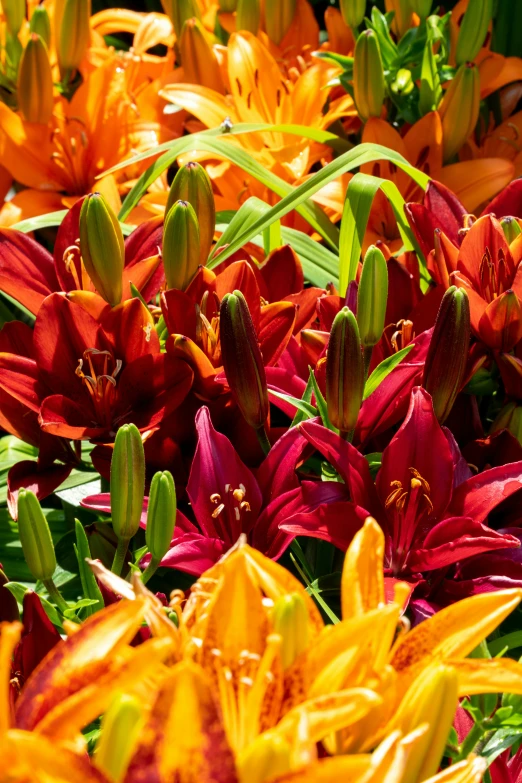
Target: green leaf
90, 587
54, 219
320, 265
301, 405
241, 220
307, 396
383, 370
321, 402
357, 206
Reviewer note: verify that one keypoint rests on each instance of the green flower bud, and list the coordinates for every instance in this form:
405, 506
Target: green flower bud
102, 247
35, 537
127, 482
279, 15
445, 365
179, 11
368, 76
120, 729
511, 228
200, 67
192, 184
14, 11
242, 359
41, 24
421, 7
353, 11
344, 372
181, 246
473, 30
459, 109
403, 83
290, 621
35, 82
372, 297
72, 33
161, 515
248, 16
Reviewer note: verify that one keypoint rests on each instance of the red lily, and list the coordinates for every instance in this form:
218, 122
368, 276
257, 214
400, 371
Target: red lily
29, 273
431, 510
228, 500
87, 378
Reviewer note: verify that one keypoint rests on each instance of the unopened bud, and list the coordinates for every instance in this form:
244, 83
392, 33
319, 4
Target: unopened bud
511, 228
368, 76
179, 11
197, 57
403, 83
248, 16
242, 359
344, 372
161, 515
459, 109
35, 537
445, 365
35, 82
421, 7
120, 729
192, 184
372, 297
72, 33
41, 24
279, 15
473, 30
268, 757
102, 247
290, 621
127, 482
14, 11
353, 12
181, 245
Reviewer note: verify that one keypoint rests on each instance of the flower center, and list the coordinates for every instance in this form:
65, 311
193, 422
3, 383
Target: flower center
494, 277
408, 506
101, 382
207, 329
233, 498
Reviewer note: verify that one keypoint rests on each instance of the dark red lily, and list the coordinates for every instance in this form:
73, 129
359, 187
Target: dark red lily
88, 377
29, 273
432, 511
228, 500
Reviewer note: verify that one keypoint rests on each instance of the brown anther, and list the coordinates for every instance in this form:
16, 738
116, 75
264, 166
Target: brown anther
215, 498
238, 495
217, 511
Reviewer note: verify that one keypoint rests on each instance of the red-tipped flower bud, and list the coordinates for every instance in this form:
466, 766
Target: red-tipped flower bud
368, 76
372, 297
344, 372
181, 246
511, 228
459, 109
35, 82
102, 247
41, 24
445, 365
72, 33
242, 359
192, 184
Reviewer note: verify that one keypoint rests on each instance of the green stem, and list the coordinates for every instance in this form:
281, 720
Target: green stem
263, 440
474, 736
150, 570
347, 435
55, 594
119, 556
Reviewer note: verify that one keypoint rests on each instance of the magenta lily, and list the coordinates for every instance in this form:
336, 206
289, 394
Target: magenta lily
432, 510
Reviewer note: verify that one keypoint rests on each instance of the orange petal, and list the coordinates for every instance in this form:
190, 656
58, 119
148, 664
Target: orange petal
477, 181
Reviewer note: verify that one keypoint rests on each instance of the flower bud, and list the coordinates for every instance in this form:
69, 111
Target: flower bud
35, 82
368, 76
445, 365
353, 11
127, 482
344, 372
248, 16
290, 621
511, 228
161, 515
41, 24
268, 757
279, 15
421, 7
459, 109
35, 536
72, 33
179, 11
227, 6
181, 245
403, 83
242, 359
102, 247
473, 30
372, 297
120, 729
14, 12
198, 59
192, 184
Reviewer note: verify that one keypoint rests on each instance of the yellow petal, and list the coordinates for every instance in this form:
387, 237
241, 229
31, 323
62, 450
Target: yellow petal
497, 675
362, 583
469, 771
9, 637
209, 106
331, 770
